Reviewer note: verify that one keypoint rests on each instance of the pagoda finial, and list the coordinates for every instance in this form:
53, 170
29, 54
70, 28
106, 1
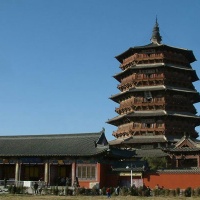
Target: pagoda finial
156, 38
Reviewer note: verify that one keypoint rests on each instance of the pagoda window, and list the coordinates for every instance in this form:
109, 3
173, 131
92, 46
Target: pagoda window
138, 99
148, 96
147, 125
158, 99
148, 75
159, 75
86, 172
139, 76
159, 125
136, 125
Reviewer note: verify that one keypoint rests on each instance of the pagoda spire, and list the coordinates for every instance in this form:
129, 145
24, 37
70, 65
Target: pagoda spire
156, 38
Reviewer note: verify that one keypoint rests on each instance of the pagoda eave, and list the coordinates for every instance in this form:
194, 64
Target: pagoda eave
157, 113
117, 97
188, 53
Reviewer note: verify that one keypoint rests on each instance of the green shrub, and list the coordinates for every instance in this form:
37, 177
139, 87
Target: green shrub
54, 190
112, 190
161, 192
167, 192
133, 191
124, 191
10, 189
147, 192
140, 191
103, 190
80, 191
193, 192
197, 192
45, 190
87, 191
188, 192
172, 193
16, 190
178, 190
155, 192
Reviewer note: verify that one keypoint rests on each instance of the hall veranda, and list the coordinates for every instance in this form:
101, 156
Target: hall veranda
82, 159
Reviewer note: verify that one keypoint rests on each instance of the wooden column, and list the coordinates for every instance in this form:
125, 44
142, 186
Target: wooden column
17, 167
177, 165
73, 172
198, 161
46, 172
98, 172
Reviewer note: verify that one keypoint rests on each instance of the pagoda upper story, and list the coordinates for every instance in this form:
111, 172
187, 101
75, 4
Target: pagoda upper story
156, 93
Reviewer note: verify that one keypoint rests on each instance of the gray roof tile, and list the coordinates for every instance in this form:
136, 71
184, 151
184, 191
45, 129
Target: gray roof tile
86, 144
150, 153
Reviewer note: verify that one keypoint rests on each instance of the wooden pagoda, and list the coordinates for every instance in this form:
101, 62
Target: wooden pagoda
156, 96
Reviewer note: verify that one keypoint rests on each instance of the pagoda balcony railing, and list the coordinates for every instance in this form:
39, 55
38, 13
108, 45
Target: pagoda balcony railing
135, 130
142, 102
135, 81
139, 104
143, 77
139, 57
157, 129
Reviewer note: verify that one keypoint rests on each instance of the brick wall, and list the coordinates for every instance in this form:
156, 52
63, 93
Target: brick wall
172, 180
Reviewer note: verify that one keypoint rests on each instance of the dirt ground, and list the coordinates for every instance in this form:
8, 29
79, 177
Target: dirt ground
37, 197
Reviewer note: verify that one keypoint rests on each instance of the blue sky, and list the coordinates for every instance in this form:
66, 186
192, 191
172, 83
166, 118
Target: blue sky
57, 58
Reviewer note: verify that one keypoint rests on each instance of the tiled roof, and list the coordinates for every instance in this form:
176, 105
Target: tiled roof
154, 88
144, 139
183, 114
120, 153
118, 96
138, 139
150, 153
154, 113
184, 149
126, 166
173, 138
185, 144
194, 170
86, 144
138, 114
192, 142
116, 141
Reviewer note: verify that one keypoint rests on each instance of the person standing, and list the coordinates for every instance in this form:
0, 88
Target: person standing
35, 186
108, 192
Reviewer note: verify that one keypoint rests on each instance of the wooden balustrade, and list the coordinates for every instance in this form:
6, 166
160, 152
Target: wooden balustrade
167, 56
129, 107
138, 130
140, 57
133, 82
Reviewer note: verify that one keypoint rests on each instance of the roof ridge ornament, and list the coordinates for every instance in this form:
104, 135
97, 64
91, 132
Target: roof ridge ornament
156, 38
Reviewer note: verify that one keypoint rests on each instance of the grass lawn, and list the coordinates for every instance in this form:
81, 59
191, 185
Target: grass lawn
39, 197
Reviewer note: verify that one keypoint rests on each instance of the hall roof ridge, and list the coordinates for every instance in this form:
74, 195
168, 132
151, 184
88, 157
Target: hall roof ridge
49, 136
